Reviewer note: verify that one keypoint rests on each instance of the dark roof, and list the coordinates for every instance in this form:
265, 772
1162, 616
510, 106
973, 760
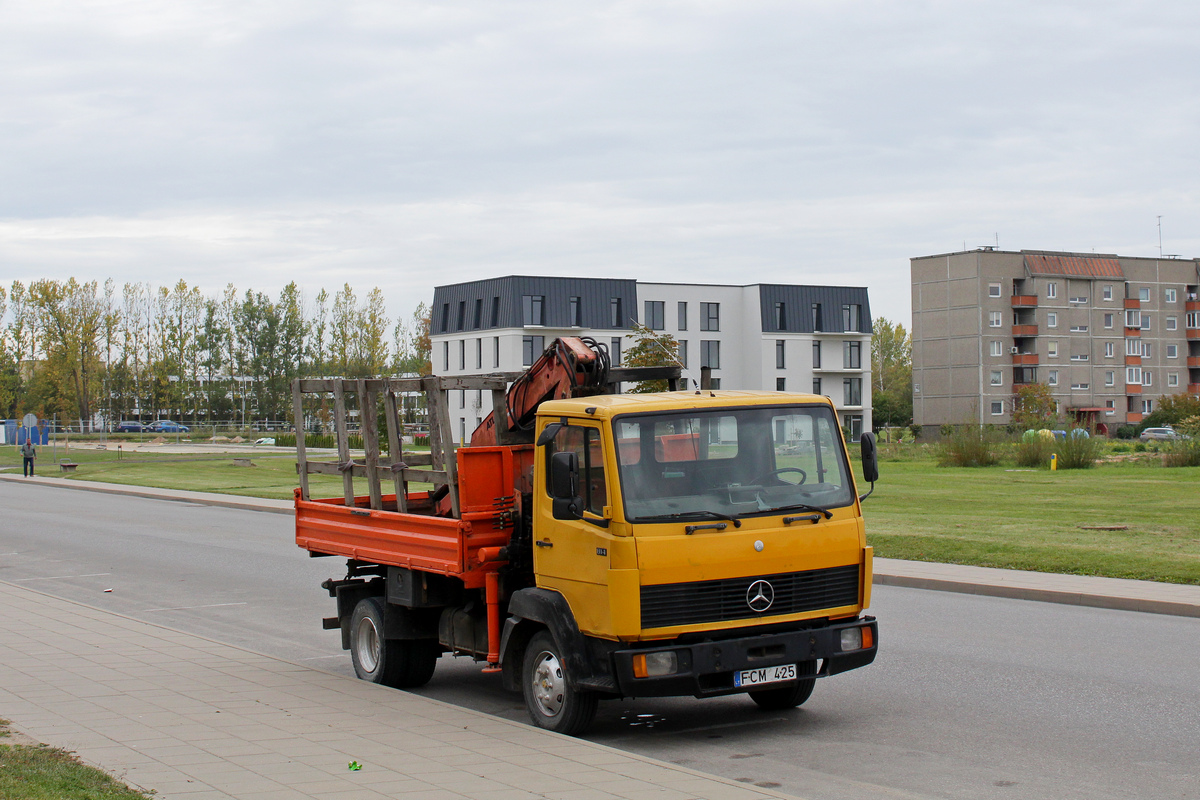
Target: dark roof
1073, 266
798, 302
499, 302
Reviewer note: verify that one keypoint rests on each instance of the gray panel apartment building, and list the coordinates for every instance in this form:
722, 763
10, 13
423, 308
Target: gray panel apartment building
1110, 335
780, 337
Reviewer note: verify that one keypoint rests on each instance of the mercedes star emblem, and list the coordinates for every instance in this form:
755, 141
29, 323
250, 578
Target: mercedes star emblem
760, 596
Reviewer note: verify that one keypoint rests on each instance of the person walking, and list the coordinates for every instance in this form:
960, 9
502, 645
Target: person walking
28, 454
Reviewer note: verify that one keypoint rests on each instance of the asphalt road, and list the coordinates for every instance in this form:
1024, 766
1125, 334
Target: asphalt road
971, 697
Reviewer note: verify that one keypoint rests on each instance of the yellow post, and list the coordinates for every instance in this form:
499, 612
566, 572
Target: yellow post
1053, 461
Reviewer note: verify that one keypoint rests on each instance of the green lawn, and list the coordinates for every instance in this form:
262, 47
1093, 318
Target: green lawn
37, 772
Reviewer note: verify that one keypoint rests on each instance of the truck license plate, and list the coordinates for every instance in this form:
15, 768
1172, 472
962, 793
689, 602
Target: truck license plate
757, 677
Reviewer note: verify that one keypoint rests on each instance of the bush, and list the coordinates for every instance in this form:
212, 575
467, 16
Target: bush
1127, 432
1182, 453
1035, 451
969, 446
1078, 451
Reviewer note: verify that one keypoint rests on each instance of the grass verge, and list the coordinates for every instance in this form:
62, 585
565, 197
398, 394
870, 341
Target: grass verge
38, 772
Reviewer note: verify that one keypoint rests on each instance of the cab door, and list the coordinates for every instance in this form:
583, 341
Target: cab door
571, 555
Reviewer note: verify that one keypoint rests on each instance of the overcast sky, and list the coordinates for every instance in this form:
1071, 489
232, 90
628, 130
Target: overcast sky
409, 144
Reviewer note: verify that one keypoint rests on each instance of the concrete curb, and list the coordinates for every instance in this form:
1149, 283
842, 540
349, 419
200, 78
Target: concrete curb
172, 495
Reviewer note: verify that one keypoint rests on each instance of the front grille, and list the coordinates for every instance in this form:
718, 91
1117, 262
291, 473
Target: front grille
717, 601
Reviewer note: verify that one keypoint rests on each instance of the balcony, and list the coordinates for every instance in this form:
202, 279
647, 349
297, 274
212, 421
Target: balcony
1194, 362
1191, 305
1194, 388
1133, 416
1133, 388
1133, 361
1024, 330
1134, 303
1025, 359
1133, 331
1193, 333
1024, 301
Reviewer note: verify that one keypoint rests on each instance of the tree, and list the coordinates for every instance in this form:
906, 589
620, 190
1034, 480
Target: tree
71, 318
651, 349
891, 374
1034, 406
412, 343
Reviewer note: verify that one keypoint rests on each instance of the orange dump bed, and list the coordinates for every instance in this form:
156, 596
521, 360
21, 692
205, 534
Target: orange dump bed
490, 481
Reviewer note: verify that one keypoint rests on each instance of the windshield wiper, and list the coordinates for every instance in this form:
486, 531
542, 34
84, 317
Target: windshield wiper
796, 507
700, 512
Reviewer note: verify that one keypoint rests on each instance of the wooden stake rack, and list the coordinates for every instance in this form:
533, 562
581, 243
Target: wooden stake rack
375, 467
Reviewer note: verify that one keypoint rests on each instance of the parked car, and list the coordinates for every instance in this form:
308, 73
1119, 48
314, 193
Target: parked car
1166, 434
130, 426
266, 440
167, 426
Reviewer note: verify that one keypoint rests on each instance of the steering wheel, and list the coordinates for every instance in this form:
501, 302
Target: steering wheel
780, 471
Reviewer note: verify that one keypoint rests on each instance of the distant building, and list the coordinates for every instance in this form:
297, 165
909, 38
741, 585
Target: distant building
1110, 335
764, 336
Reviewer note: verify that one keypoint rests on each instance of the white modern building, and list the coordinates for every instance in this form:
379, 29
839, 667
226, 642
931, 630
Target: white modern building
776, 337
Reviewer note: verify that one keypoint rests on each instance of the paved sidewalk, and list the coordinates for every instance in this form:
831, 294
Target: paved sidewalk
194, 719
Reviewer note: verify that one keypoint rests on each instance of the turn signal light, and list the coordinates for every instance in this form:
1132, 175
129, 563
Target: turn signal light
857, 639
652, 665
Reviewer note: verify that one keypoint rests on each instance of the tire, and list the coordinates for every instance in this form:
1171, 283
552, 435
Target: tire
789, 696
551, 702
399, 663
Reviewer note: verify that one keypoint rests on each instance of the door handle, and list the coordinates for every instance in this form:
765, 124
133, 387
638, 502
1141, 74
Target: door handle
545, 543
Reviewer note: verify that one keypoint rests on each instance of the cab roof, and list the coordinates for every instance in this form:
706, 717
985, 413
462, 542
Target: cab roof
610, 405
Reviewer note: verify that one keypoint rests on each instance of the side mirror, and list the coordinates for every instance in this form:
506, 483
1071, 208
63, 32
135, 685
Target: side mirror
870, 458
564, 486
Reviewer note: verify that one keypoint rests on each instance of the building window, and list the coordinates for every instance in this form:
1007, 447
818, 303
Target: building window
496, 352
997, 378
479, 353
816, 385
1080, 357
851, 317
714, 383
1133, 375
997, 348
997, 408
445, 356
710, 353
682, 316
575, 312
683, 354
780, 317
1133, 347
445, 326
1144, 294
478, 314
616, 319
781, 384
1108, 349
1193, 319
780, 362
1052, 349
1110, 378
1108, 320
1147, 406
1079, 329
1080, 300
1080, 387
710, 316
816, 355
533, 309
1051, 289
1133, 318
1147, 378
1111, 405
614, 351
1170, 295
1108, 292
995, 319
1147, 350
852, 391
1172, 323
531, 348
1145, 322
1052, 378
1172, 351
495, 312
993, 290
816, 317
462, 315
462, 354
1172, 379
854, 424
852, 355
655, 315
1051, 319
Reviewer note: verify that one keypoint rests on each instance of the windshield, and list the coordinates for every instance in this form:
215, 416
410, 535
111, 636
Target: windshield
731, 463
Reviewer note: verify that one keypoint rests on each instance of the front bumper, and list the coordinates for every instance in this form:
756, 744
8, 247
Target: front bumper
706, 668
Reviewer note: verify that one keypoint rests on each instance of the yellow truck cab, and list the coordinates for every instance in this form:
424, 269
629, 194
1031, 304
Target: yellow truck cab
689, 543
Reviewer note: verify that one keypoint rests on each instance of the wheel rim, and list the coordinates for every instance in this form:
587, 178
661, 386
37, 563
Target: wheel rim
367, 644
549, 685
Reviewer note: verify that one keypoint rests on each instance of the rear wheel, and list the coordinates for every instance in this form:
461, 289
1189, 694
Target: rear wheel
549, 698
400, 663
789, 696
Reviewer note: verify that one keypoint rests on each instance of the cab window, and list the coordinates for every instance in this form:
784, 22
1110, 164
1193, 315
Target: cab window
589, 454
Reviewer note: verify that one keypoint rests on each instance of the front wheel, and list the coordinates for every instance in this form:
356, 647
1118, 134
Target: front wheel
549, 698
789, 696
399, 663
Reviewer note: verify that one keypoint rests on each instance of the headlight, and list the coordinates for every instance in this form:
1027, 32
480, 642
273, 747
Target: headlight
856, 638
652, 665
